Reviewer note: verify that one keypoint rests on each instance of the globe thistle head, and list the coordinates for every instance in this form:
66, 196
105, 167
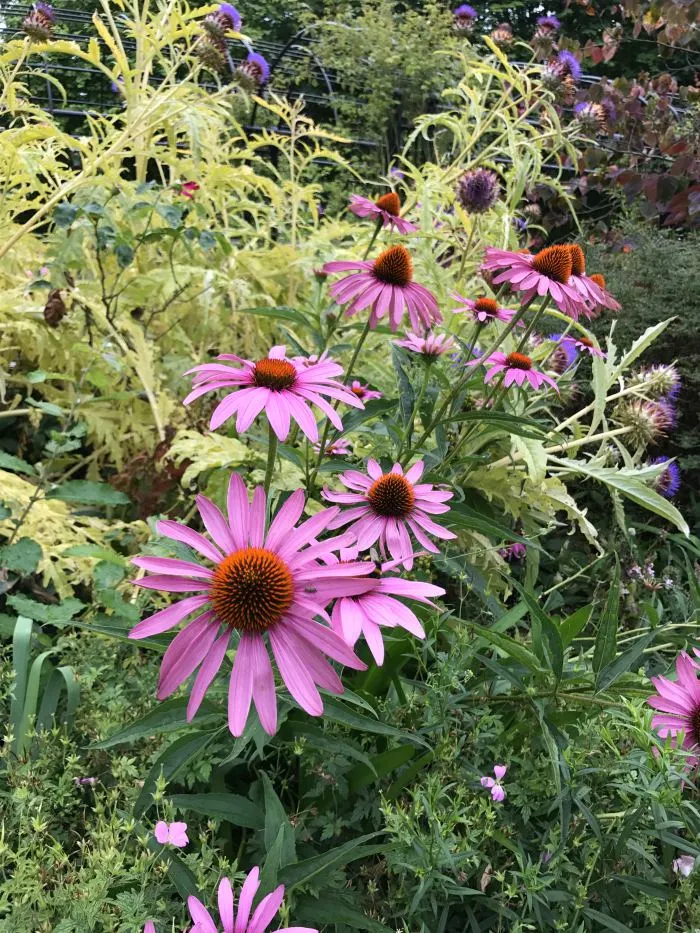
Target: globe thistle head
668, 482
225, 19
592, 117
502, 35
658, 381
253, 73
648, 420
39, 23
478, 190
464, 17
211, 51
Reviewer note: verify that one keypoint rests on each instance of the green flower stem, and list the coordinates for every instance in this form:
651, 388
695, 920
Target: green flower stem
561, 448
416, 408
271, 456
467, 251
631, 390
377, 228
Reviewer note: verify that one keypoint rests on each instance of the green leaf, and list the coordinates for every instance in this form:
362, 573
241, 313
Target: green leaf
47, 407
555, 654
608, 922
302, 872
229, 807
462, 515
271, 866
64, 214
107, 574
170, 762
94, 550
574, 624
606, 637
639, 346
338, 712
626, 661
280, 312
89, 493
60, 677
43, 612
361, 776
406, 395
166, 717
408, 775
375, 408
21, 557
628, 483
9, 462
332, 909
276, 822
21, 647
511, 424
31, 700
508, 646
652, 888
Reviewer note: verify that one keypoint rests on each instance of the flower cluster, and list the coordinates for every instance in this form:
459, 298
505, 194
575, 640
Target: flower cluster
212, 49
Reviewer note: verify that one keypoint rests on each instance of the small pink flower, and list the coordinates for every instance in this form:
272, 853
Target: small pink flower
584, 345
483, 310
150, 927
240, 920
367, 613
189, 189
386, 506
284, 388
364, 393
267, 587
431, 346
386, 286
517, 367
387, 208
683, 865
497, 792
546, 273
339, 448
174, 834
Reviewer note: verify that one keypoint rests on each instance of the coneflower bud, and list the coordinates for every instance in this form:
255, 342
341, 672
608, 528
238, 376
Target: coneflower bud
478, 191
39, 23
649, 420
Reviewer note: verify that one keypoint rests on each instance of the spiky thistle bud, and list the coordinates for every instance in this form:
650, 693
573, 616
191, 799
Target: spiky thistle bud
649, 420
658, 380
39, 23
253, 73
478, 190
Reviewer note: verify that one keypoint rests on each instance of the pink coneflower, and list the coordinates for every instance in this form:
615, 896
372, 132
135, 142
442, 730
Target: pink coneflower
679, 705
150, 927
263, 583
367, 613
430, 346
364, 393
497, 792
387, 505
594, 296
483, 310
546, 273
339, 448
173, 834
386, 286
285, 388
189, 189
387, 208
517, 367
240, 920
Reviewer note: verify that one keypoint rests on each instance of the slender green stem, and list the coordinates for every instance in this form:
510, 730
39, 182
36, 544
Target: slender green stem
416, 409
465, 254
377, 228
271, 456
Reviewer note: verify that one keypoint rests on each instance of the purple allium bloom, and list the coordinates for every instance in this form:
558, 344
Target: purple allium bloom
549, 23
478, 190
174, 834
568, 64
669, 482
498, 795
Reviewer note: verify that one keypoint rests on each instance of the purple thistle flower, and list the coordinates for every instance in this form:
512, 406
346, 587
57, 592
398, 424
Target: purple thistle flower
465, 11
254, 72
549, 23
568, 64
38, 24
669, 482
478, 190
225, 19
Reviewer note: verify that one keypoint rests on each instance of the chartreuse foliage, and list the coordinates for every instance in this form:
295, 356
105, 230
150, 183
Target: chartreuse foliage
114, 282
